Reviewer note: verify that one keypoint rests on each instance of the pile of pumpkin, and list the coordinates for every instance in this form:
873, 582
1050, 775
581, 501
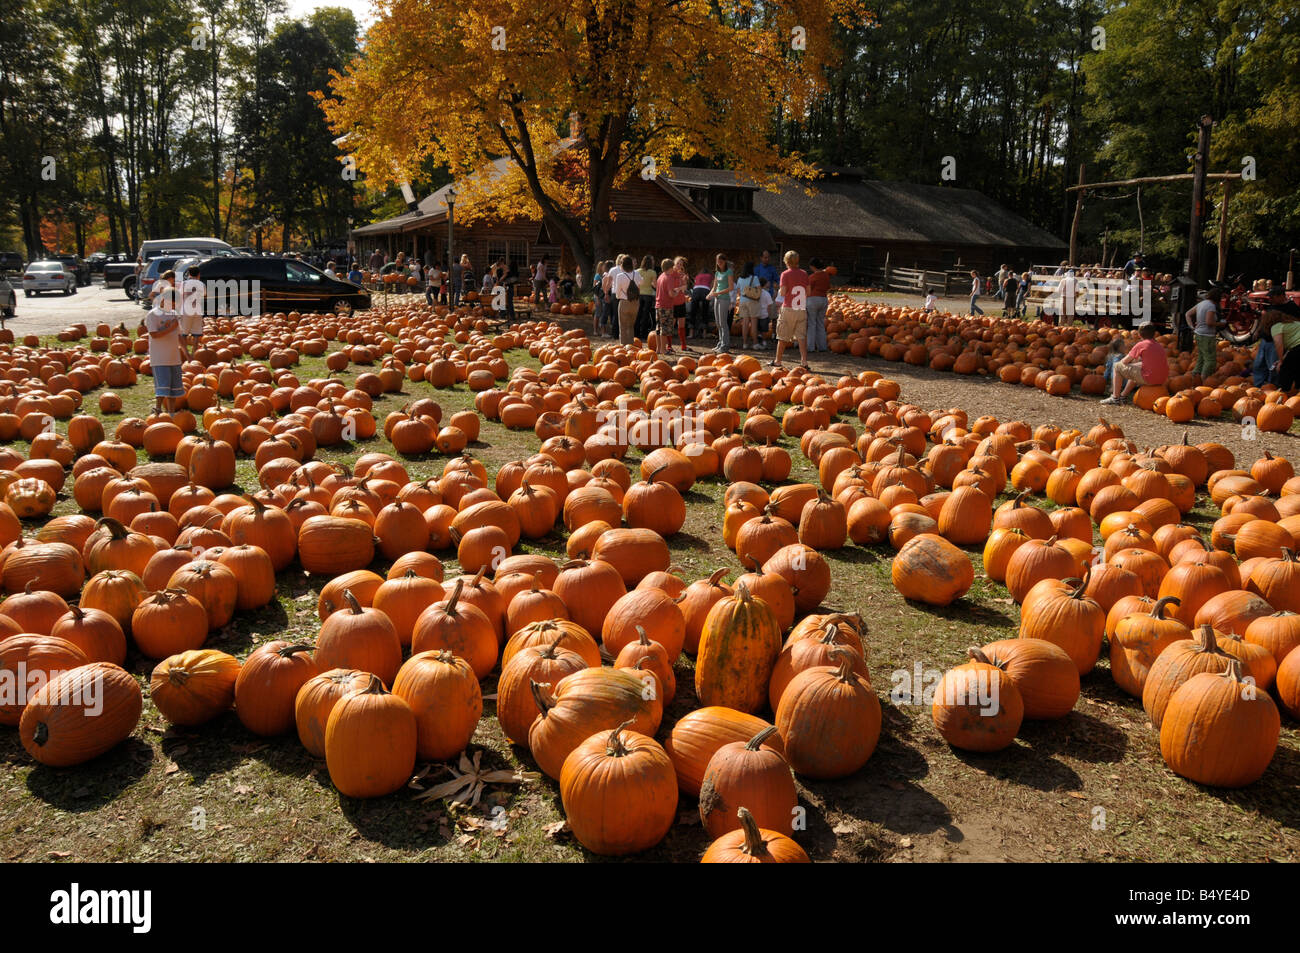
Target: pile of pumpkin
1170, 604
174, 556
1053, 359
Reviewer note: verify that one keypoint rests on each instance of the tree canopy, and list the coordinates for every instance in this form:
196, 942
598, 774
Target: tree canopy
647, 83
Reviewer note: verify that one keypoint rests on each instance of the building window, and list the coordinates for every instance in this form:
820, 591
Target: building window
730, 200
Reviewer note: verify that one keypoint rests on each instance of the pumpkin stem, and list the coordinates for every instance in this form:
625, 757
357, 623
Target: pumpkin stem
641, 637
754, 743
478, 577
374, 687
1158, 610
716, 578
755, 846
1083, 583
543, 705
1208, 642
742, 592
115, 528
450, 608
289, 651
615, 747
352, 602
549, 651
845, 657
831, 634
977, 655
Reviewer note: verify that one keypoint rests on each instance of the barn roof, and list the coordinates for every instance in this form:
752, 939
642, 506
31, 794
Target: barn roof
875, 210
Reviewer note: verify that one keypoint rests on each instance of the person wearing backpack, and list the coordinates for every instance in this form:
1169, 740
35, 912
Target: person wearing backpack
628, 295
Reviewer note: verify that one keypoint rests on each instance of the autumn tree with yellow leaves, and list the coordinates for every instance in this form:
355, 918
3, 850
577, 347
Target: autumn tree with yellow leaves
647, 82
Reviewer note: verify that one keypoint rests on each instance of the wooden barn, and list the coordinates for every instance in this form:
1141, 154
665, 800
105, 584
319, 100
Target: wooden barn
842, 218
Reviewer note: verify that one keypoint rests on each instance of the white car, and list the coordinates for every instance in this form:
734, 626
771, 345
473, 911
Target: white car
48, 276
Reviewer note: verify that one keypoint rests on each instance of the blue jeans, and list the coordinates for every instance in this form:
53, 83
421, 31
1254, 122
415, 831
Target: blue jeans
1265, 358
816, 324
722, 318
974, 308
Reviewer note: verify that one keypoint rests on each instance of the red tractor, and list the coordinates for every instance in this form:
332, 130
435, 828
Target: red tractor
1241, 312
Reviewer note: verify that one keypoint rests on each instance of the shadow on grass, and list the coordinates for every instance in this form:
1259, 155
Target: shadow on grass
88, 787
1273, 795
1078, 735
964, 610
1023, 764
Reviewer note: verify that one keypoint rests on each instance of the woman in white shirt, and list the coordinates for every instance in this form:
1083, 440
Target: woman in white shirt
629, 300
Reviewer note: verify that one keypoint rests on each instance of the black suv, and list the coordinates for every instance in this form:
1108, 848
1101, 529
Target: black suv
78, 266
257, 285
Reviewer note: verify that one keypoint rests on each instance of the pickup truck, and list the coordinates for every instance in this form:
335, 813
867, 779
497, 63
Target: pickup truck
124, 275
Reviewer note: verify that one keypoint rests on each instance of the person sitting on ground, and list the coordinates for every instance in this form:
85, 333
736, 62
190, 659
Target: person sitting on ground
1145, 365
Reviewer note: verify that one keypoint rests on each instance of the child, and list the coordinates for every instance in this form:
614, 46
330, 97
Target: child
1118, 348
164, 357
931, 302
765, 305
191, 310
700, 303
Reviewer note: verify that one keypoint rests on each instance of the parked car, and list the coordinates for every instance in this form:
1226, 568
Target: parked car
197, 246
79, 267
122, 274
10, 261
281, 285
149, 275
49, 275
8, 298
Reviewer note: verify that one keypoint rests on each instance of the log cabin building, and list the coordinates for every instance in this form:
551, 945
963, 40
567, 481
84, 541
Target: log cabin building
841, 218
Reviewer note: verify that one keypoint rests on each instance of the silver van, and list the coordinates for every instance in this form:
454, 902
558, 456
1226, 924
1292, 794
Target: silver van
206, 247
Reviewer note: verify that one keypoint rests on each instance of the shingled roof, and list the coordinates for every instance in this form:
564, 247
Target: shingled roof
884, 211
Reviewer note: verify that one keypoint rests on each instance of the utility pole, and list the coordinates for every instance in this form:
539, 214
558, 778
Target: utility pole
1195, 267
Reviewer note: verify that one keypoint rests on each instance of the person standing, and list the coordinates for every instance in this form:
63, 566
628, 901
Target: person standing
681, 283
165, 356
665, 286
540, 283
931, 302
700, 303
1022, 295
750, 290
1008, 288
793, 324
724, 282
765, 269
376, 261
1203, 318
597, 298
1277, 310
191, 310
1001, 281
511, 281
628, 295
975, 292
646, 277
819, 288
1285, 333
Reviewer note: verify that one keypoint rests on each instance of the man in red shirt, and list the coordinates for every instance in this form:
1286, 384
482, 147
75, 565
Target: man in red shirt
1146, 365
